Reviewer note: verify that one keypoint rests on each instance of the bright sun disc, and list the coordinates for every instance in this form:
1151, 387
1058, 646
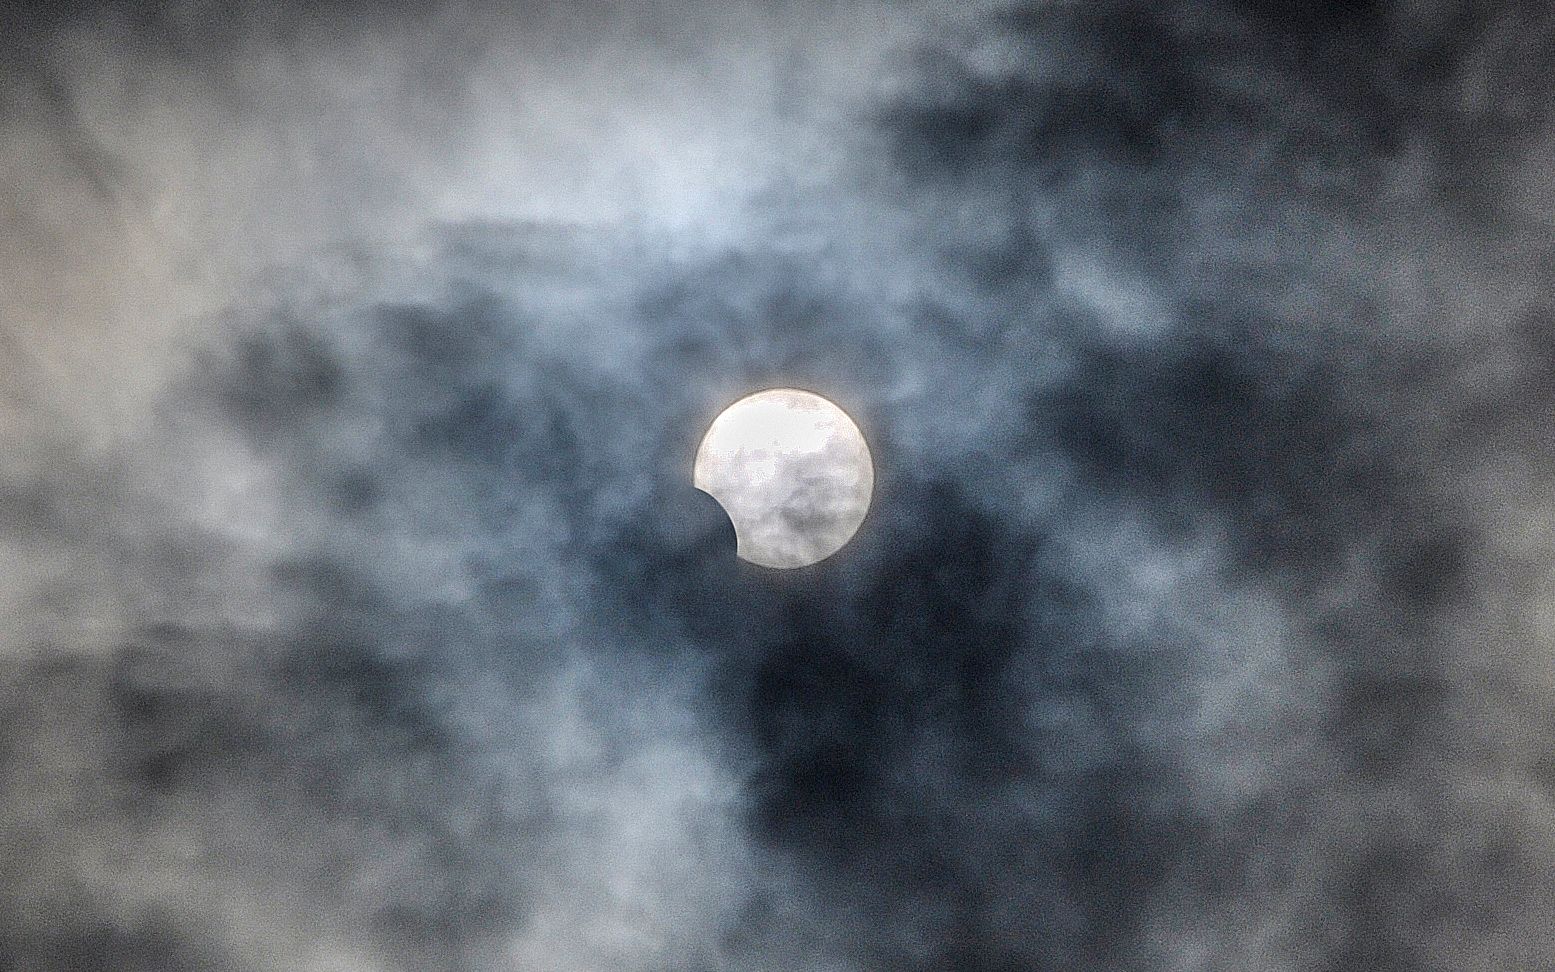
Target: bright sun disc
793, 472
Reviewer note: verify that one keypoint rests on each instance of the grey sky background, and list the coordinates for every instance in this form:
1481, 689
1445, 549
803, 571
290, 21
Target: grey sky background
357, 612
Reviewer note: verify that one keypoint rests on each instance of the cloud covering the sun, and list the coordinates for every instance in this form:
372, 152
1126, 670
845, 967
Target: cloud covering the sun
357, 611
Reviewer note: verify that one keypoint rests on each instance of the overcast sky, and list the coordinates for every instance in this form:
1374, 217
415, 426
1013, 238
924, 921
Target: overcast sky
357, 613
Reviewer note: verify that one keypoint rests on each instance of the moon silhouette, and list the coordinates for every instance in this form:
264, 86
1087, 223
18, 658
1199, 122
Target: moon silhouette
793, 472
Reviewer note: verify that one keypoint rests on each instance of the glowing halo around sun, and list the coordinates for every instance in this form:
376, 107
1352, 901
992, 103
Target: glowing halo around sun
793, 473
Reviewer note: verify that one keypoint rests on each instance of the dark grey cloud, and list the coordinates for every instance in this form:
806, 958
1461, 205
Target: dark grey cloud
356, 610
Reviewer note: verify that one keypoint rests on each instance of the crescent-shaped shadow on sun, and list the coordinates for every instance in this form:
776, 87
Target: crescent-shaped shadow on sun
704, 521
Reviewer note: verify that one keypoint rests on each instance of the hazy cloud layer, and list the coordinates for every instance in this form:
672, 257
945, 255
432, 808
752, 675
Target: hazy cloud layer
357, 612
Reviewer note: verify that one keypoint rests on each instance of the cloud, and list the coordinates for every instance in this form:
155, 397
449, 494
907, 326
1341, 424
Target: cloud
359, 612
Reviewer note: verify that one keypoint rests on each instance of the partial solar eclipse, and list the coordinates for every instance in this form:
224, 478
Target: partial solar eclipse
793, 472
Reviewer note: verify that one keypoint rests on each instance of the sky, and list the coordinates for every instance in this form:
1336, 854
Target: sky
357, 612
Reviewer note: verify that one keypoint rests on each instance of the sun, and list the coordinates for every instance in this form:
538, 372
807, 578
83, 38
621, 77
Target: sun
792, 471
